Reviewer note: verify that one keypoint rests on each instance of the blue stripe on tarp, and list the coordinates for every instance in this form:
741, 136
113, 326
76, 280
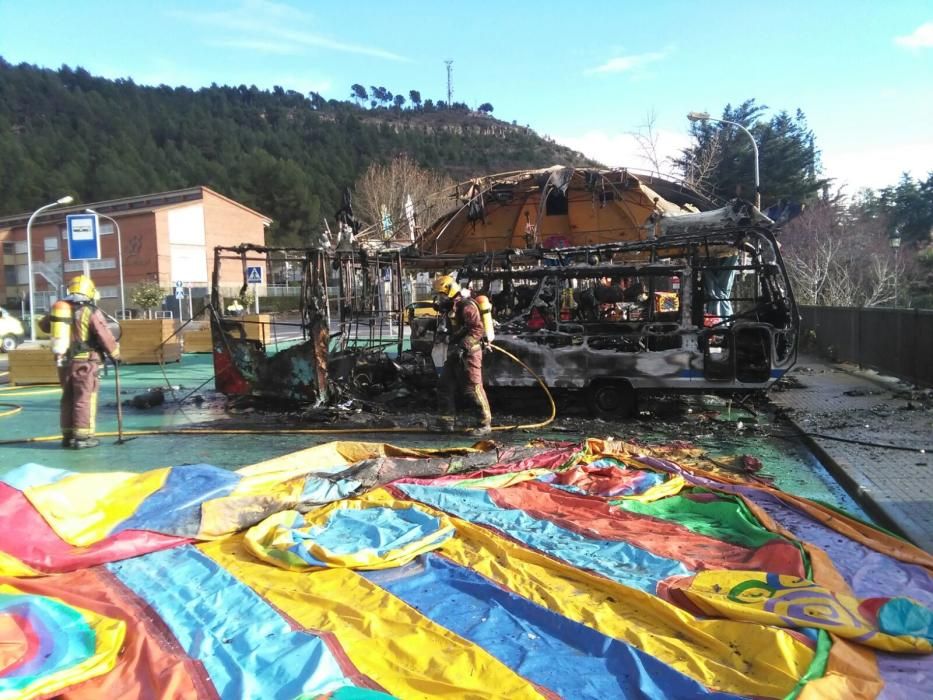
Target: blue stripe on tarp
620, 561
248, 649
31, 475
381, 530
544, 647
175, 509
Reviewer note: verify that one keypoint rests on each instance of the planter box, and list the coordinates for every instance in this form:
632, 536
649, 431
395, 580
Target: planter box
198, 338
141, 339
33, 364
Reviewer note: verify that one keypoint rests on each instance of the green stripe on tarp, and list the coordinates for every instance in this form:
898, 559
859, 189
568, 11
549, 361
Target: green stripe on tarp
726, 518
817, 667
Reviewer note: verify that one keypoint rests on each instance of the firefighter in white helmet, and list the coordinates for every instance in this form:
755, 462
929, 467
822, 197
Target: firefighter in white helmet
80, 340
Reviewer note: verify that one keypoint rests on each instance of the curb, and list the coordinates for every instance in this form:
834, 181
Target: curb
844, 478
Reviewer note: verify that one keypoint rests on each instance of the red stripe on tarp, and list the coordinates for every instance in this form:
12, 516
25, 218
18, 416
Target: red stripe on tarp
595, 518
26, 535
151, 665
602, 481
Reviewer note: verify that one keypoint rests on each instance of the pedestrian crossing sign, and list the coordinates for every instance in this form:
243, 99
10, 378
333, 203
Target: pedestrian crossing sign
254, 275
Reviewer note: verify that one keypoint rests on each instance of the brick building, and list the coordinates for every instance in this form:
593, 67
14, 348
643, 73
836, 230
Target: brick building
166, 237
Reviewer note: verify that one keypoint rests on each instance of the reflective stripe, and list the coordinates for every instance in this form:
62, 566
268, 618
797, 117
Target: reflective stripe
82, 333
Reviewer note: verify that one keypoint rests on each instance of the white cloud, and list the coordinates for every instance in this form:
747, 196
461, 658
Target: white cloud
920, 38
877, 166
623, 149
263, 23
621, 64
276, 47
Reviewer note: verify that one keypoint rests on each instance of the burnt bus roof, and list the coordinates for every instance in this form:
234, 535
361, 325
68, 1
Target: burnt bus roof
651, 256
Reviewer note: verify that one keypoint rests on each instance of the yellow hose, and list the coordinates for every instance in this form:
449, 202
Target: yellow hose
13, 409
547, 393
301, 431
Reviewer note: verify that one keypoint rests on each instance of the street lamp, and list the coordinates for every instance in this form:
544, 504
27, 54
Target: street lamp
705, 117
119, 257
67, 199
895, 242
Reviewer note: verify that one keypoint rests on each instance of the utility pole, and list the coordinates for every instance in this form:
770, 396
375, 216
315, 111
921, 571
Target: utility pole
450, 90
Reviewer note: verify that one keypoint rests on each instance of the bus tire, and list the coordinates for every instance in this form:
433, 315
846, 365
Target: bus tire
611, 399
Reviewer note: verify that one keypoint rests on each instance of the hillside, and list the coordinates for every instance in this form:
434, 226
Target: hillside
280, 152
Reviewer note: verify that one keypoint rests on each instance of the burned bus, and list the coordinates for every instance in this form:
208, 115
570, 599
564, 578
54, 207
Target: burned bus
598, 283
705, 305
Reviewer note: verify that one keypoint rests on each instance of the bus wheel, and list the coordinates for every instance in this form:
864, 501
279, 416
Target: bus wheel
611, 399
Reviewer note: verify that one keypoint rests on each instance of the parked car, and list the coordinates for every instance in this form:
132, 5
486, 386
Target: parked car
11, 331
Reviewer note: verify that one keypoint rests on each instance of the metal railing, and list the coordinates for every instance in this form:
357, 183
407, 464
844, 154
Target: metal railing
897, 342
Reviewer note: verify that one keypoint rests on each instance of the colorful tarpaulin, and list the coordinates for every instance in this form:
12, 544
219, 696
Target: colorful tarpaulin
590, 570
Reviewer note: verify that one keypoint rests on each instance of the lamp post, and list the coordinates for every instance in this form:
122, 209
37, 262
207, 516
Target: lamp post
119, 257
67, 199
895, 242
705, 117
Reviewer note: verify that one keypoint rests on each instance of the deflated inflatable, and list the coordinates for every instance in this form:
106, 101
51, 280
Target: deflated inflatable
593, 570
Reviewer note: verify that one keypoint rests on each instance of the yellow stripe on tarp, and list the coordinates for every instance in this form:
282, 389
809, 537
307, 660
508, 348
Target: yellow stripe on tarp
735, 657
12, 566
84, 508
406, 653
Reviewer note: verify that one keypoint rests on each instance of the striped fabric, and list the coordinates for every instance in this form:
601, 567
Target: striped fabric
597, 570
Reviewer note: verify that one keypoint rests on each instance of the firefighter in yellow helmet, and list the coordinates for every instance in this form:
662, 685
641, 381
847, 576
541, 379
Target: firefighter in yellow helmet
80, 340
463, 368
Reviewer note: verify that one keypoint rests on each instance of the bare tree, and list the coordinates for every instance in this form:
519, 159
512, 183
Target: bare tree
647, 139
835, 260
700, 170
383, 191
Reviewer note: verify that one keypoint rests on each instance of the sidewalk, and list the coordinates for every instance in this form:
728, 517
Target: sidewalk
894, 485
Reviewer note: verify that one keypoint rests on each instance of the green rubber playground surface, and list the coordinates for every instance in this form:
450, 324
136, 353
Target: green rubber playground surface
791, 466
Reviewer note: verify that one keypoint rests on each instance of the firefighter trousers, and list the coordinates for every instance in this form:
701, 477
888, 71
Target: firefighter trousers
464, 375
80, 381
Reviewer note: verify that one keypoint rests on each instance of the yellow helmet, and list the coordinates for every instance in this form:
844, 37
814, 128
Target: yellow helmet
83, 285
446, 285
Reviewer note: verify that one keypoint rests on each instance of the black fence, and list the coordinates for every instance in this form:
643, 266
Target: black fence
896, 342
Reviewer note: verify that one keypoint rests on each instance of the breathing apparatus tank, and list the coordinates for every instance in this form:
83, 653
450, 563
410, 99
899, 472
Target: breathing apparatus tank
61, 318
485, 310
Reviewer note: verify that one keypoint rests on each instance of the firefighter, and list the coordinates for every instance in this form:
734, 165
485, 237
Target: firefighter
463, 368
80, 340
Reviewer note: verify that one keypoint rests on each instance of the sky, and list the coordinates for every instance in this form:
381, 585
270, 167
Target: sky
590, 75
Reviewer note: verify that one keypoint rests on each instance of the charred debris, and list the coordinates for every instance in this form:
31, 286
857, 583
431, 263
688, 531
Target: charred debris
701, 304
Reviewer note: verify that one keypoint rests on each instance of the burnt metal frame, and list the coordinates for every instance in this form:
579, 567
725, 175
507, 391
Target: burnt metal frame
678, 254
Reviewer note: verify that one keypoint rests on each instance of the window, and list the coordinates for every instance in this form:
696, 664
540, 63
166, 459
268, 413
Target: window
9, 247
108, 292
20, 247
51, 243
9, 275
556, 204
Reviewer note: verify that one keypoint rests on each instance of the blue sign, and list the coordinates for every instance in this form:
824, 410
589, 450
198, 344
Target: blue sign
83, 237
254, 275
